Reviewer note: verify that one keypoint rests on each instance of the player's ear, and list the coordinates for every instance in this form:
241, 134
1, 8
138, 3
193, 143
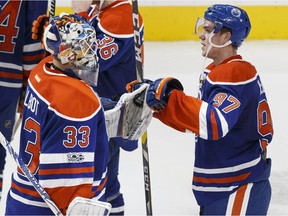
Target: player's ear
228, 35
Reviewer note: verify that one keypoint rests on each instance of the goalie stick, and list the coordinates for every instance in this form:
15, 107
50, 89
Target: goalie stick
30, 176
18, 122
79, 206
139, 71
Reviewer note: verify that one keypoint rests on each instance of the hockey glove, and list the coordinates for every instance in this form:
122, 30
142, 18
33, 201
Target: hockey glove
38, 27
159, 92
132, 86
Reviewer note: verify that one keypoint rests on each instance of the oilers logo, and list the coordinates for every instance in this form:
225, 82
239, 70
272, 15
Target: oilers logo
236, 12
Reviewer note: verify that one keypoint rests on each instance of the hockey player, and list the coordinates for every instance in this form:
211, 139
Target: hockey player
116, 57
63, 135
231, 119
18, 55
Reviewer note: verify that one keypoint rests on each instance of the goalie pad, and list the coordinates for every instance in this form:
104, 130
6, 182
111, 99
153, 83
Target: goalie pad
85, 207
130, 117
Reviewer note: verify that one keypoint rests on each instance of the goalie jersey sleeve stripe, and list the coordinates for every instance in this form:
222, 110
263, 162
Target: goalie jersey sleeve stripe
229, 93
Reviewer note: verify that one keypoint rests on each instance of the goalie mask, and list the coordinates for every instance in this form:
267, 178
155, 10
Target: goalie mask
72, 40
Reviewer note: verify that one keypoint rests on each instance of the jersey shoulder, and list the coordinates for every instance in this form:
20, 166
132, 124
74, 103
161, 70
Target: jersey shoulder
117, 18
66, 95
233, 71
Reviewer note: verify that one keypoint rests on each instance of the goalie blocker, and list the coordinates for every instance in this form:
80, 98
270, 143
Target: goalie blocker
84, 206
130, 117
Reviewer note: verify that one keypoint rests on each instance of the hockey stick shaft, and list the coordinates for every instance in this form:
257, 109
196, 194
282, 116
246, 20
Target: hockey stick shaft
18, 120
52, 9
30, 176
139, 72
137, 41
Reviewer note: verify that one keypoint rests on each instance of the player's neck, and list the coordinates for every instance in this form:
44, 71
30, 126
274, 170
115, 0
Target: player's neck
224, 53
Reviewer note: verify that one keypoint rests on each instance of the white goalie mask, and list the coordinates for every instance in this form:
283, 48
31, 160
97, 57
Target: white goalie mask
72, 40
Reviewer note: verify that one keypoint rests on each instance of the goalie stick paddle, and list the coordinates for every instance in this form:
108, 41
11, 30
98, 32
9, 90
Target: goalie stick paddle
30, 176
139, 71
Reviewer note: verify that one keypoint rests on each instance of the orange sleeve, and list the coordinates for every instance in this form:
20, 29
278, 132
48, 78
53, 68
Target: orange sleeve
181, 113
118, 20
84, 14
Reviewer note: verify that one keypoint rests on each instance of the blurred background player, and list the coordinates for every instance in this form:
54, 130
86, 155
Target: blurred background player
231, 119
113, 22
18, 55
63, 137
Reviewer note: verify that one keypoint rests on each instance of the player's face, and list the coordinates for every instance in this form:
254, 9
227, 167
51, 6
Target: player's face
205, 31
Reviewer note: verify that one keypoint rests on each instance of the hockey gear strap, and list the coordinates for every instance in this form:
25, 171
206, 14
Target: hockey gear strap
85, 207
131, 116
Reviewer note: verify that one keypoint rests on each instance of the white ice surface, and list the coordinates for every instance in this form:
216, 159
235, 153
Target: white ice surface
171, 153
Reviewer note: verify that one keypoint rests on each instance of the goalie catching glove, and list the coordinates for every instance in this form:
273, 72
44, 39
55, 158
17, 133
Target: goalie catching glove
130, 117
38, 27
158, 92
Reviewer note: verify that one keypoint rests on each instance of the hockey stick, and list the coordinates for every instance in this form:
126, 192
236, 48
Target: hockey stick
30, 176
52, 9
139, 72
16, 125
